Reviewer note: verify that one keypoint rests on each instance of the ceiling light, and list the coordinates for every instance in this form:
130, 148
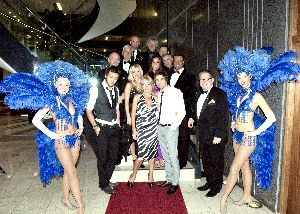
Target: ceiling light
106, 38
58, 5
155, 14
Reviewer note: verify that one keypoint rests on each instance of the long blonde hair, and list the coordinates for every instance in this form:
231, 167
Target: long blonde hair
134, 84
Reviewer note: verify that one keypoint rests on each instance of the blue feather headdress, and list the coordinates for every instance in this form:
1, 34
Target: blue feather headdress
38, 90
259, 66
49, 72
263, 71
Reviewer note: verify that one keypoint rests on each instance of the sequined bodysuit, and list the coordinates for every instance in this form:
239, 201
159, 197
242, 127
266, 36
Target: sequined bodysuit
242, 115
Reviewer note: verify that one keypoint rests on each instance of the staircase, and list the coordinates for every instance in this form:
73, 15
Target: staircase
124, 170
14, 56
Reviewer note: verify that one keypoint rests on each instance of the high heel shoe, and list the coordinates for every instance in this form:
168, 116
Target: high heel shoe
151, 184
240, 202
130, 184
70, 206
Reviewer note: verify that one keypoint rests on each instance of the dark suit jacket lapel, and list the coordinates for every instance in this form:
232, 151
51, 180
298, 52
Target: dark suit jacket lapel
208, 98
181, 77
205, 103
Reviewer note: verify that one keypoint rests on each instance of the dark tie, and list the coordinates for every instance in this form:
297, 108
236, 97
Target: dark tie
126, 62
161, 96
175, 71
204, 92
111, 96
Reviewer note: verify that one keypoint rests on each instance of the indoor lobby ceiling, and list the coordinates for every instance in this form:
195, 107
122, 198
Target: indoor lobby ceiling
83, 7
149, 19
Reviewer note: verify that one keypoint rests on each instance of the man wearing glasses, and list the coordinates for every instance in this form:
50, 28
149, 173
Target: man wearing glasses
212, 116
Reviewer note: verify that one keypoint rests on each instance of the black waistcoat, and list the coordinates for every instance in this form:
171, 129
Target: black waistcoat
104, 110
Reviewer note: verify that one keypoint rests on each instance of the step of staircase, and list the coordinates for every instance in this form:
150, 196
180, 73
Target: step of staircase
124, 170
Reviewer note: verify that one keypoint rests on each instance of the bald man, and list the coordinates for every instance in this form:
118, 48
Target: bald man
137, 55
113, 60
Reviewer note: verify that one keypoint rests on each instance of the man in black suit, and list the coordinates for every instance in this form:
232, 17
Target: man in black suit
186, 82
137, 55
212, 124
126, 62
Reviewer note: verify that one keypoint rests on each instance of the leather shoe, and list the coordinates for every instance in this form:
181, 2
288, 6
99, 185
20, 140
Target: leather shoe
164, 184
111, 184
172, 189
211, 193
204, 187
108, 190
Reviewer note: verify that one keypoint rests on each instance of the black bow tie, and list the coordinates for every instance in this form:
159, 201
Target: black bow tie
126, 62
204, 92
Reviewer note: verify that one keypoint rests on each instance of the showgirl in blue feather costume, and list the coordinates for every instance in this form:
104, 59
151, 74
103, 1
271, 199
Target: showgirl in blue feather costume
63, 89
244, 75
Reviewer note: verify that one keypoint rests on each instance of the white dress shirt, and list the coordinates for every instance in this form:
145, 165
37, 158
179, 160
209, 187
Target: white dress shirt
201, 101
94, 96
126, 66
172, 108
134, 54
175, 77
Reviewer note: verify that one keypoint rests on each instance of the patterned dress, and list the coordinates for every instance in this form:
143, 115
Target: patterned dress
146, 125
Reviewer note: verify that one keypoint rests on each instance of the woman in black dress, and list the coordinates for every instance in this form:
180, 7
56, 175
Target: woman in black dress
132, 88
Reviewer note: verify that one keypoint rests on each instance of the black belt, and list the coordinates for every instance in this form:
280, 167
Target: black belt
165, 124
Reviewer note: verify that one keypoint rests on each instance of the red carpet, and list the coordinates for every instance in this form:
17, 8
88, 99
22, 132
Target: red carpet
141, 199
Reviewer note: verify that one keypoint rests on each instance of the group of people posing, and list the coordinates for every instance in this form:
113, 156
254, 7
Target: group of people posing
159, 105
163, 105
154, 101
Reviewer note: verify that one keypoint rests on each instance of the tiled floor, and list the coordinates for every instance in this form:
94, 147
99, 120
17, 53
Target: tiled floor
22, 192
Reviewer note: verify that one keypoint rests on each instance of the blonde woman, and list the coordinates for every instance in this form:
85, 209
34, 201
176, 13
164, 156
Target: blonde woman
132, 88
144, 128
